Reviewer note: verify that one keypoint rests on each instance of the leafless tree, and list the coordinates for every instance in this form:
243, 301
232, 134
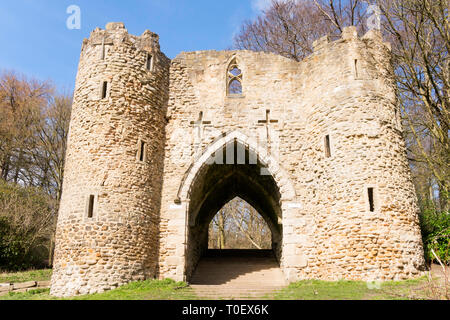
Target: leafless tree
287, 28
419, 33
50, 147
342, 13
34, 124
20, 104
420, 37
240, 226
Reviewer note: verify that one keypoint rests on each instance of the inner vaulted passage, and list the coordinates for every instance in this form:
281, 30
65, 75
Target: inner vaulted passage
224, 177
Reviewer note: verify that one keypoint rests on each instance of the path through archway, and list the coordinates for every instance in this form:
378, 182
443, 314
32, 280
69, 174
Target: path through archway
233, 171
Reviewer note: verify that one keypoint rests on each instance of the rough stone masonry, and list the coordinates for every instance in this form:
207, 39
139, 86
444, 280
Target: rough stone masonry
158, 146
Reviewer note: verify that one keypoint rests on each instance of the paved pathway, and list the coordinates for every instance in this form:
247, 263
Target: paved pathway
237, 274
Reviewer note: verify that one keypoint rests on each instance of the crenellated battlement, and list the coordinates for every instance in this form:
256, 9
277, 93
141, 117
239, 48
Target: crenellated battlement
349, 34
115, 33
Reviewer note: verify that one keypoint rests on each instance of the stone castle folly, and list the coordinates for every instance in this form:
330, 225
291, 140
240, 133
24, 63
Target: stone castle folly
158, 146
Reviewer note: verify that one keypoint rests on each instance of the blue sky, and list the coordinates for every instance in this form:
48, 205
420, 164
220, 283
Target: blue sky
36, 42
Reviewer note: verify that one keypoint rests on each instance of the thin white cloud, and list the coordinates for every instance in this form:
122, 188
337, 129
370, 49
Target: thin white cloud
261, 5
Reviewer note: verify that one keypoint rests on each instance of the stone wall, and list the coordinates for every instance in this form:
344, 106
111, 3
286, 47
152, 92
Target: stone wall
120, 242
346, 91
150, 216
198, 85
335, 230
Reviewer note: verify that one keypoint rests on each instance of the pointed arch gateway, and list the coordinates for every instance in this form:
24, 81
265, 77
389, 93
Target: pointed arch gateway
233, 166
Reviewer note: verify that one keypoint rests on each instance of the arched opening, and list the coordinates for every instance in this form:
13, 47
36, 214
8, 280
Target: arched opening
234, 170
239, 226
234, 79
235, 87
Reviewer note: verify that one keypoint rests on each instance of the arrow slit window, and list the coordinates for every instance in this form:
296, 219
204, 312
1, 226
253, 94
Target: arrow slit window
149, 63
90, 208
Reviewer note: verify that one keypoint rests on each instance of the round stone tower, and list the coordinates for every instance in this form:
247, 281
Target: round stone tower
358, 184
107, 232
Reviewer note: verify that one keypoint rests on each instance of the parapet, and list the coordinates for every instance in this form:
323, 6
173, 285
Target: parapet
115, 33
321, 43
111, 26
350, 34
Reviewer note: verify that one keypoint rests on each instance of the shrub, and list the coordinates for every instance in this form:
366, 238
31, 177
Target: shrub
27, 222
436, 234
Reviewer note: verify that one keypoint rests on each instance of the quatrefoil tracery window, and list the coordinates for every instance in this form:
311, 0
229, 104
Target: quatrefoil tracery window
234, 79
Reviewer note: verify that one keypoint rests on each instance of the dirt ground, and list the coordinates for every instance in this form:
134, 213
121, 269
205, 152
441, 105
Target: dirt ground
438, 272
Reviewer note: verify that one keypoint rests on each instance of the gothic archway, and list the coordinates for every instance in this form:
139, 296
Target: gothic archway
233, 166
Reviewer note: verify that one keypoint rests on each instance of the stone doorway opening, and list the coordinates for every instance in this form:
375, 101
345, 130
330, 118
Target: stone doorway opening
233, 170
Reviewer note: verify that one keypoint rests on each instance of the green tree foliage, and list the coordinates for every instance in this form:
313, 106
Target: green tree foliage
27, 220
436, 233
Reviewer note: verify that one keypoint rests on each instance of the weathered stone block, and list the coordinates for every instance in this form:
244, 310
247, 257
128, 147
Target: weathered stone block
44, 284
29, 284
349, 33
298, 261
5, 287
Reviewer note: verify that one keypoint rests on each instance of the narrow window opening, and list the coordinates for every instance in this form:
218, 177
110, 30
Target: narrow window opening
104, 89
356, 68
149, 62
91, 206
327, 147
103, 51
371, 199
234, 79
142, 151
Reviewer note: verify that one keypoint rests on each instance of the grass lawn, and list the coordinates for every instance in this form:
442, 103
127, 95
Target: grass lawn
145, 290
353, 290
171, 290
34, 275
